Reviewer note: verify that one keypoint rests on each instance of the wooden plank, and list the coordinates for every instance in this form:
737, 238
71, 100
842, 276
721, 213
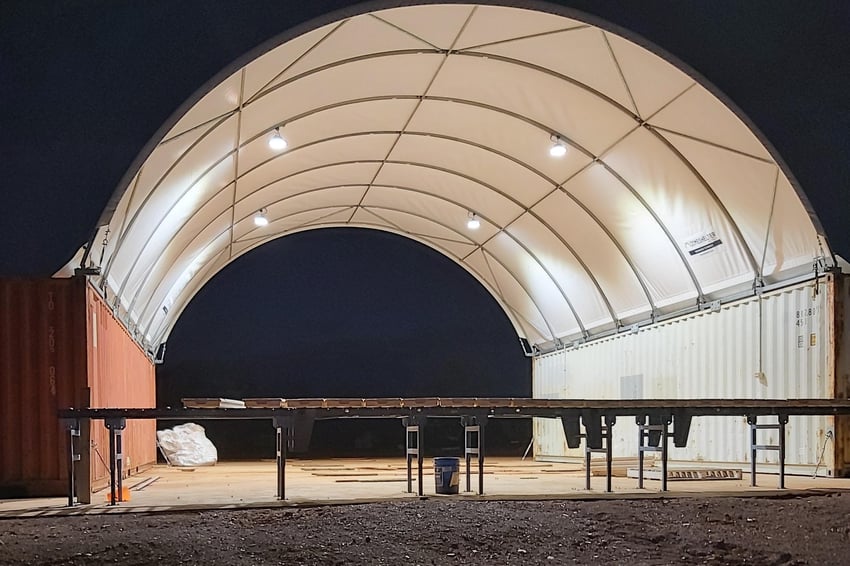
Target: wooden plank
383, 403
306, 403
265, 403
343, 403
421, 402
461, 402
212, 403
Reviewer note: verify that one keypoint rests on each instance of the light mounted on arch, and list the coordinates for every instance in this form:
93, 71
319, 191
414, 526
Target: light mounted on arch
473, 223
276, 142
260, 218
559, 147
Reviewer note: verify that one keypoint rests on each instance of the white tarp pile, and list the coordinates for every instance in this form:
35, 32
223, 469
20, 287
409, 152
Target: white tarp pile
187, 445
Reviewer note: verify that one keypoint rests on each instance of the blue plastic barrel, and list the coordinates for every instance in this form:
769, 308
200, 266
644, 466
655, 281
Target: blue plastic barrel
446, 475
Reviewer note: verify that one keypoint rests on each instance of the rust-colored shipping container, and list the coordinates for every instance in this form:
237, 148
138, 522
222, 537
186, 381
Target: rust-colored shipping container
61, 347
119, 375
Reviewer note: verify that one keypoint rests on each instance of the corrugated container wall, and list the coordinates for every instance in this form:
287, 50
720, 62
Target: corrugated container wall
119, 375
781, 345
61, 348
42, 369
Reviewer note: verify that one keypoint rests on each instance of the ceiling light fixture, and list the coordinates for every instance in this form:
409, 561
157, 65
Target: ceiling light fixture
277, 142
473, 223
260, 218
559, 147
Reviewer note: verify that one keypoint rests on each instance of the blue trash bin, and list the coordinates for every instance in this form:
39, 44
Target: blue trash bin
446, 475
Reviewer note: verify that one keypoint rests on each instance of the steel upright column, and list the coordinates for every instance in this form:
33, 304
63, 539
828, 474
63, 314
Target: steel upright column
116, 427
73, 427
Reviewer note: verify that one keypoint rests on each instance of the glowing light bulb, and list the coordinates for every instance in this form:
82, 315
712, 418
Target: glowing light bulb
473, 223
277, 142
260, 218
559, 148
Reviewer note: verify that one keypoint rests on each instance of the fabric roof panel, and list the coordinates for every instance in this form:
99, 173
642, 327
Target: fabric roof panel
453, 186
428, 205
589, 59
265, 71
221, 101
316, 156
490, 24
652, 81
356, 37
641, 238
700, 114
501, 132
557, 105
543, 289
387, 76
693, 218
567, 270
510, 177
439, 26
255, 197
350, 119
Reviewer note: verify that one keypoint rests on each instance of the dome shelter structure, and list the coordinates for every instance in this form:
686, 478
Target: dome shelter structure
659, 198
643, 238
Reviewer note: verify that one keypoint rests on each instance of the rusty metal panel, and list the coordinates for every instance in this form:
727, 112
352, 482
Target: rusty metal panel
119, 375
840, 347
775, 347
42, 370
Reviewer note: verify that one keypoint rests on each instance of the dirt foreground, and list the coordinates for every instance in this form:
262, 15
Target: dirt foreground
719, 530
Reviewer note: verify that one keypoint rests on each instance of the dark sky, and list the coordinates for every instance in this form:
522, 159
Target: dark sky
85, 84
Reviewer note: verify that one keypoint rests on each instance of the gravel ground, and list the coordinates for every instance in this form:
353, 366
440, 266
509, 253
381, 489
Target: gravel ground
722, 530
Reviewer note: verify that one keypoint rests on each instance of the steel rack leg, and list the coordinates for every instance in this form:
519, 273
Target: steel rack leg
73, 427
665, 435
783, 420
413, 442
755, 447
606, 449
473, 435
752, 420
281, 442
610, 420
116, 458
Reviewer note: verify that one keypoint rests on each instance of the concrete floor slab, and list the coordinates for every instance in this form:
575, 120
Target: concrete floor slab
330, 481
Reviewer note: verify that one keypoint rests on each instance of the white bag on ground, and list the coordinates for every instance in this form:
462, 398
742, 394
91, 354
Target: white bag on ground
187, 445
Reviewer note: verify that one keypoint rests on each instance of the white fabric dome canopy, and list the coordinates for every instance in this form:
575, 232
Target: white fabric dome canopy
409, 119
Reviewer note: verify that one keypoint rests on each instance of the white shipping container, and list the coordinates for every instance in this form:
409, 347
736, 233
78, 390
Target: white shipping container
777, 346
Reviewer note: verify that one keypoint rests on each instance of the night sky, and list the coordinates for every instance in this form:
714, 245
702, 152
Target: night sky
84, 85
